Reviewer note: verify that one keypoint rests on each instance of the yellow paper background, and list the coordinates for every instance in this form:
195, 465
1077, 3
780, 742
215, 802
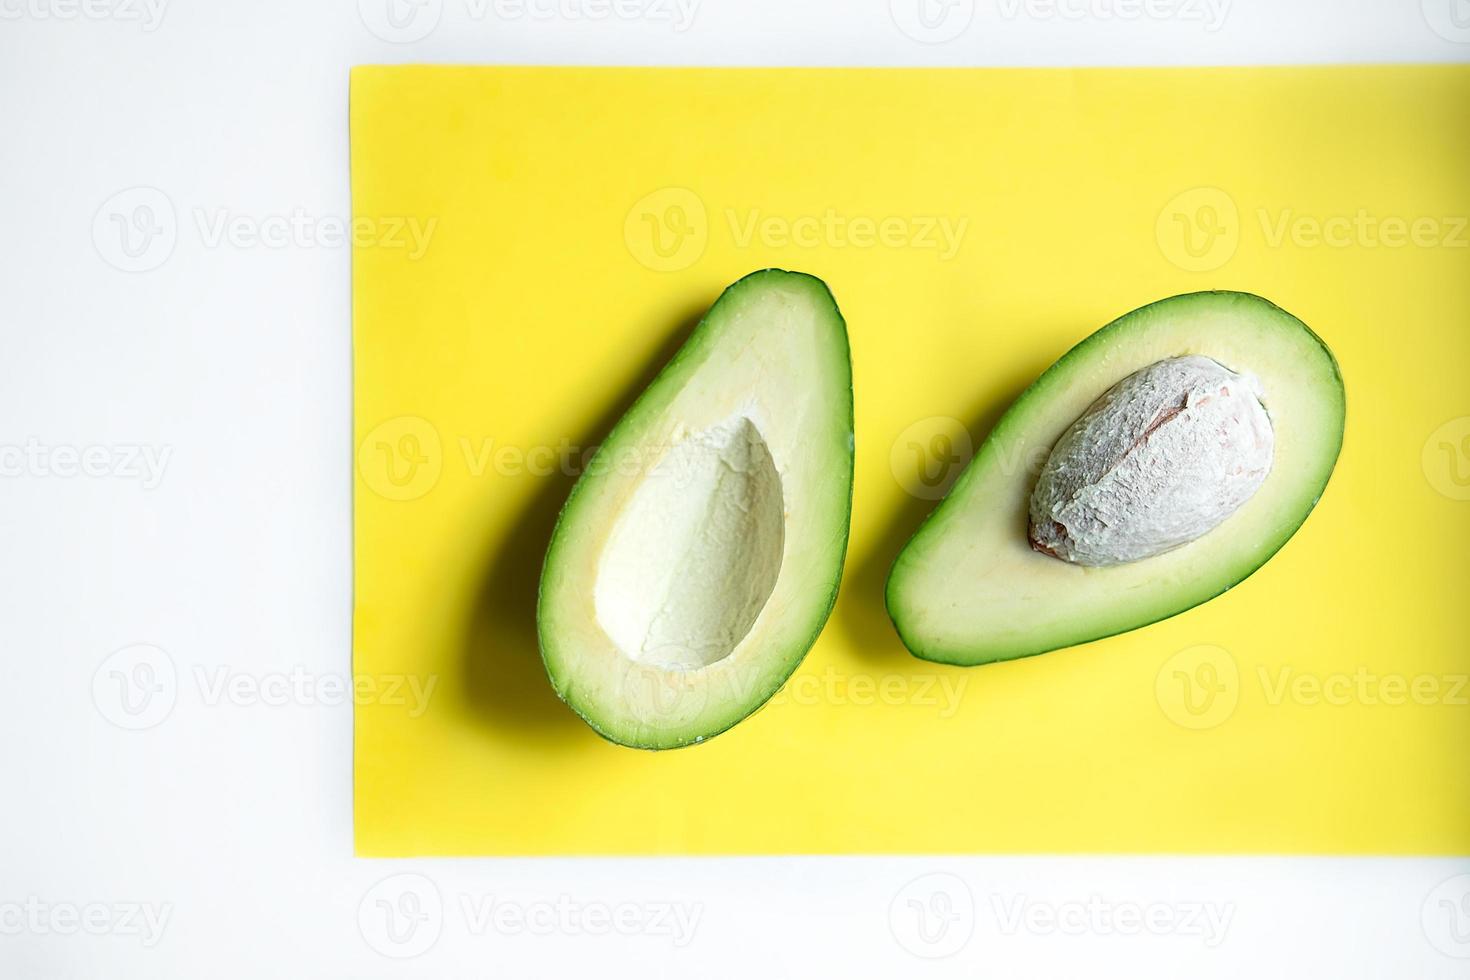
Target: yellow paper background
541, 306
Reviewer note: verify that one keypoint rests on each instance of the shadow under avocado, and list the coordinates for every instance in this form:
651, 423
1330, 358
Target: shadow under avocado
861, 611
502, 676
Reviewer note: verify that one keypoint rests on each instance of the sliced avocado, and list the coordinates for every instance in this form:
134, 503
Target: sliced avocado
974, 586
697, 559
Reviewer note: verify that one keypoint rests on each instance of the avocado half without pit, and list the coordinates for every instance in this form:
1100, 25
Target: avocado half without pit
1183, 444
698, 557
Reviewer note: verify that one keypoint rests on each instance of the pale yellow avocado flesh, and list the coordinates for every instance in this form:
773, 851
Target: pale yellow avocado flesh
969, 589
696, 562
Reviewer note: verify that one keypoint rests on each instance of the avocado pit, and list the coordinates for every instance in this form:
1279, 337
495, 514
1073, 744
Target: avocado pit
1159, 460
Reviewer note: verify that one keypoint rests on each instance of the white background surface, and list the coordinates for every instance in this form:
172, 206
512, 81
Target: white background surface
228, 820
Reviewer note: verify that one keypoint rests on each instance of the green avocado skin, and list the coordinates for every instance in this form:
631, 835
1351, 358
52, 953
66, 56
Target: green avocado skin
823, 597
1015, 418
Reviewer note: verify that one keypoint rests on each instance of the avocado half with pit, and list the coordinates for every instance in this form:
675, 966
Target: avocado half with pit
1161, 461
697, 559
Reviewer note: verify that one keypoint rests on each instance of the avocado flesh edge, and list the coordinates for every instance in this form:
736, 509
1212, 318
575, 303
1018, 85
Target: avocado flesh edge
967, 589
774, 344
